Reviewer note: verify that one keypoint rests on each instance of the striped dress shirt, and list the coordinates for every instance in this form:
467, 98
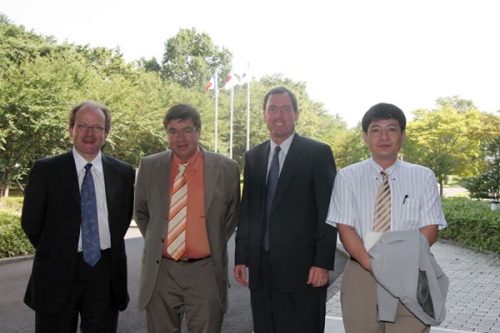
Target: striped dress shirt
415, 201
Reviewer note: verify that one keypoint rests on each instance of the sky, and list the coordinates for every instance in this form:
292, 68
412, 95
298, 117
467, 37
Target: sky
351, 54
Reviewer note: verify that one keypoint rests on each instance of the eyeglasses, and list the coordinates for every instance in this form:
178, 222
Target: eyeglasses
284, 110
85, 128
185, 131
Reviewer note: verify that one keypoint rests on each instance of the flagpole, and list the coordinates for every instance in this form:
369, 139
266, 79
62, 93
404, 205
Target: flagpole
248, 115
231, 126
230, 83
216, 111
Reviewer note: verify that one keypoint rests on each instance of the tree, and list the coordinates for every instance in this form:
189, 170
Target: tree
190, 58
33, 89
487, 184
447, 139
150, 65
350, 147
36, 98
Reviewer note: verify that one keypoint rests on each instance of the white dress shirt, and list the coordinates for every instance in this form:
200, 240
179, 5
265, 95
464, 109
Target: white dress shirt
100, 191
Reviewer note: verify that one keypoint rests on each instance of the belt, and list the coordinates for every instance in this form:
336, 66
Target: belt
183, 261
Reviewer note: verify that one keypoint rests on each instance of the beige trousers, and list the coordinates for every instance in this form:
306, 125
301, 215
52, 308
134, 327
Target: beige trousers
185, 291
358, 298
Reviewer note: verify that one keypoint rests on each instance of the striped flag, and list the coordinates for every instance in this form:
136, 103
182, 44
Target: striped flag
211, 85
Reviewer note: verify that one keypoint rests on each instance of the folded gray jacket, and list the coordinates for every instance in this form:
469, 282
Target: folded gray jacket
406, 271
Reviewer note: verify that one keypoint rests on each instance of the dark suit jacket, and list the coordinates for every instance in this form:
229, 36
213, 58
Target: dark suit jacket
152, 201
51, 219
299, 235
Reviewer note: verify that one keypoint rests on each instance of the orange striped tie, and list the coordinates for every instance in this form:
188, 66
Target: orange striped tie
382, 219
176, 240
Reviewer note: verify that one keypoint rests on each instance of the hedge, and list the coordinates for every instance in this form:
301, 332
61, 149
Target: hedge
13, 241
472, 223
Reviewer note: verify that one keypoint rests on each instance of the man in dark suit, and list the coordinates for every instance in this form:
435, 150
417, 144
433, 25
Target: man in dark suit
70, 277
283, 239
184, 265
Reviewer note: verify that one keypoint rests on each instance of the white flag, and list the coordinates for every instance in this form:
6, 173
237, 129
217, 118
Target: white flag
231, 81
244, 78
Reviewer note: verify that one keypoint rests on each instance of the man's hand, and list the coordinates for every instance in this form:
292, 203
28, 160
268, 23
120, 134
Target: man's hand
318, 277
240, 274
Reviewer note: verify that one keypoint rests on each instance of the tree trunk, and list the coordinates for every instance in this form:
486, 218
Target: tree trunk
6, 182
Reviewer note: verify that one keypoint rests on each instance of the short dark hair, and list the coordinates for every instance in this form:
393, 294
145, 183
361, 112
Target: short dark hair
382, 111
93, 105
281, 90
183, 112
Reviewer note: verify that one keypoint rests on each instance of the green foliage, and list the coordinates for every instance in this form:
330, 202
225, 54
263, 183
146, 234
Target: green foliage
14, 204
472, 223
13, 241
350, 147
487, 183
150, 65
447, 139
190, 58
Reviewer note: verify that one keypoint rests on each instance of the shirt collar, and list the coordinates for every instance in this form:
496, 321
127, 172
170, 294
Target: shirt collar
189, 161
390, 171
285, 145
80, 162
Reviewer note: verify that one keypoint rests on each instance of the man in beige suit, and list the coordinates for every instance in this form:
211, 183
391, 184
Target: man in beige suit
186, 206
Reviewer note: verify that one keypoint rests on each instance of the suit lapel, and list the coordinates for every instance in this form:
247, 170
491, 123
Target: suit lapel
212, 174
162, 180
261, 172
263, 161
69, 175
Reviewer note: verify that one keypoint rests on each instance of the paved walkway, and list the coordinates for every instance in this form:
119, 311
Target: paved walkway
473, 302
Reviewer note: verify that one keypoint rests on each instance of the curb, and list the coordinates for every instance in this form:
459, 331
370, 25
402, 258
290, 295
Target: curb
4, 261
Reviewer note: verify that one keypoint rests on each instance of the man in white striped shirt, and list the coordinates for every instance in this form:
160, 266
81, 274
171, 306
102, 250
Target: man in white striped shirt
415, 205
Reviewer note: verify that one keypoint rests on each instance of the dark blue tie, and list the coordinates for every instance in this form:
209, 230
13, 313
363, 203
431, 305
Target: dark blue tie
90, 227
272, 183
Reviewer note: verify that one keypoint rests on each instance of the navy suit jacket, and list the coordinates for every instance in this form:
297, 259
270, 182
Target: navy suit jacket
299, 235
51, 219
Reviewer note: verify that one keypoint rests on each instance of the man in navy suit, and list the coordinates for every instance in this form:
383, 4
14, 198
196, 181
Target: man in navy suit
282, 239
62, 284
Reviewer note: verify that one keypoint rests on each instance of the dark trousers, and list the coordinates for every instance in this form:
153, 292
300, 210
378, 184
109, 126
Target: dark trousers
275, 312
90, 297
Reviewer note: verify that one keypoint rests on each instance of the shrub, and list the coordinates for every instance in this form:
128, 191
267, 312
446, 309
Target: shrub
12, 203
472, 223
13, 241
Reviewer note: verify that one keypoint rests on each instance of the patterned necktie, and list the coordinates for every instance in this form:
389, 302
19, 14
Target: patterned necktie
272, 183
176, 240
90, 227
382, 218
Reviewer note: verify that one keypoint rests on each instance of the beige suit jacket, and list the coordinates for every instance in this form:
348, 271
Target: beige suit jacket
222, 200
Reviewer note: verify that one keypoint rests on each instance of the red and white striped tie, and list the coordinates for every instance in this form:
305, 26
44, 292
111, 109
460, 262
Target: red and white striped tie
176, 240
